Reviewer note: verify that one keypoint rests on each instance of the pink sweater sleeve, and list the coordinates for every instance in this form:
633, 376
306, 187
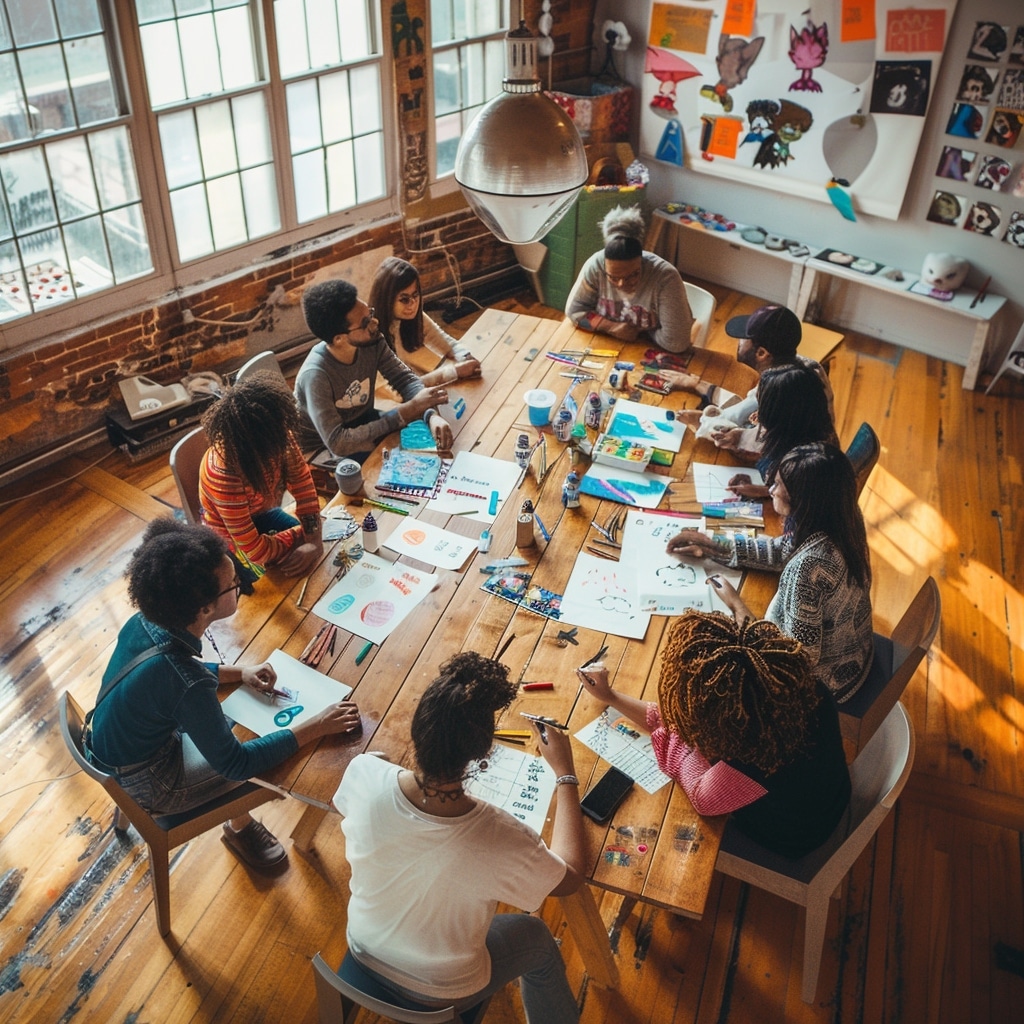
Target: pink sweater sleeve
712, 788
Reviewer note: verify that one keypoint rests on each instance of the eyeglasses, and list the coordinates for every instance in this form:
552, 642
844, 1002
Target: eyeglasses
627, 281
236, 587
408, 298
365, 322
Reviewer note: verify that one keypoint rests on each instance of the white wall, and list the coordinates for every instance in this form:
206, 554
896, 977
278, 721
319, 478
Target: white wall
903, 242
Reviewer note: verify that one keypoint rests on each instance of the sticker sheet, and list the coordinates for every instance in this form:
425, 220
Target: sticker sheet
310, 690
373, 597
622, 744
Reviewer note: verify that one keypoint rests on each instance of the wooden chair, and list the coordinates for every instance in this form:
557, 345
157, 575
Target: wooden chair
878, 774
893, 664
186, 458
702, 306
262, 361
1014, 361
340, 996
161, 833
863, 453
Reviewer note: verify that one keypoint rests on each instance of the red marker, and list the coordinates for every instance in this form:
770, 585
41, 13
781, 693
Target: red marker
538, 686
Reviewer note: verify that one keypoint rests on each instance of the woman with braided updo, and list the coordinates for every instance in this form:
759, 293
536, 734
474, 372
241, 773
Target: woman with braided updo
745, 728
430, 862
252, 460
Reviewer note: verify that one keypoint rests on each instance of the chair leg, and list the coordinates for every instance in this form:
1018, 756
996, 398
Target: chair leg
121, 820
159, 874
816, 920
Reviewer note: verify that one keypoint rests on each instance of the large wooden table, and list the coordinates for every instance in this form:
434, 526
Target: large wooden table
675, 869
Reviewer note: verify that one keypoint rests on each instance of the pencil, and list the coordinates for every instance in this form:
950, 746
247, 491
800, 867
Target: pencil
312, 643
302, 592
543, 529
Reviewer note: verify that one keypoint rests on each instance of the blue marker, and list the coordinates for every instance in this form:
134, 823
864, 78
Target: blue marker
459, 408
492, 509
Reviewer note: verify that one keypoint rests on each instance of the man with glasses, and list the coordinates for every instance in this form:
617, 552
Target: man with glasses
335, 385
157, 723
626, 292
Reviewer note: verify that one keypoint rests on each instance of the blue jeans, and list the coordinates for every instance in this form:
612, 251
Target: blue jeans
521, 947
274, 520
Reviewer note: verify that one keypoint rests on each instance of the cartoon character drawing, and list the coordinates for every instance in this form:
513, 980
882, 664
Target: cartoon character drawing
734, 60
1015, 231
808, 49
976, 84
789, 122
983, 218
965, 121
945, 209
759, 119
994, 171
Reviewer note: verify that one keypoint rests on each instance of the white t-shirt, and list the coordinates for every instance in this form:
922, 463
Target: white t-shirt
424, 888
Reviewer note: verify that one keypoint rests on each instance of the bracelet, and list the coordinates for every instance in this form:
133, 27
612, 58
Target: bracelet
567, 780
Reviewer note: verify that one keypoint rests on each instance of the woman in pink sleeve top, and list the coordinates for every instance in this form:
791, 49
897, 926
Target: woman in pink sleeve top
253, 458
744, 727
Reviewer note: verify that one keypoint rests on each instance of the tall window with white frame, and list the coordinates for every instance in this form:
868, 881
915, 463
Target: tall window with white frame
468, 43
71, 220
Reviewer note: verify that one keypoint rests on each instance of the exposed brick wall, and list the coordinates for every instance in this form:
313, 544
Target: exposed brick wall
62, 390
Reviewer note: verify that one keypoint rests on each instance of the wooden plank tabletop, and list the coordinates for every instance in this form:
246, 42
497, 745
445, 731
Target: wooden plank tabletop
656, 848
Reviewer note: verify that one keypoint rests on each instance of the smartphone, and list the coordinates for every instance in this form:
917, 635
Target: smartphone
605, 795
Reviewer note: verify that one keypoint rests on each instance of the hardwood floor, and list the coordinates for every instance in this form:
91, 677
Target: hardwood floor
929, 928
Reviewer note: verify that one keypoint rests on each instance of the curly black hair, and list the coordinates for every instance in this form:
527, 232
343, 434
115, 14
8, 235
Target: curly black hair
737, 691
326, 307
172, 576
454, 721
252, 427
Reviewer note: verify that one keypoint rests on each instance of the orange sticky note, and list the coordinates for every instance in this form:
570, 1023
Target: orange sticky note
915, 30
738, 18
857, 20
725, 134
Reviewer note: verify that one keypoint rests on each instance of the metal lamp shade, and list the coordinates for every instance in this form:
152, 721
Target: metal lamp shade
520, 165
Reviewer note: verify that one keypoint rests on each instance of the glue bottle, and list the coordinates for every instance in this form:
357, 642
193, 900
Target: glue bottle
523, 451
563, 425
592, 417
370, 542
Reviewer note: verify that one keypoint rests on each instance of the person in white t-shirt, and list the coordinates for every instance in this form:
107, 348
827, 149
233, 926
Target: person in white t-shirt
430, 862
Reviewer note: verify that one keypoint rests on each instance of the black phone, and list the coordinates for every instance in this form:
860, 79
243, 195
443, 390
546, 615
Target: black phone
605, 795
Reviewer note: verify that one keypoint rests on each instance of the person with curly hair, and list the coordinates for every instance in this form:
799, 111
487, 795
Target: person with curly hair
252, 460
430, 862
157, 724
744, 727
626, 292
336, 383
396, 296
824, 594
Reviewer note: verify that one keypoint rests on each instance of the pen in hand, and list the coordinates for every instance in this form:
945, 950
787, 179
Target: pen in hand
543, 720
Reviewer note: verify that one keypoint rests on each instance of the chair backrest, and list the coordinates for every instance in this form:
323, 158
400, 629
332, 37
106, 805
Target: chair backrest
863, 453
702, 305
1014, 361
330, 988
895, 662
259, 362
186, 458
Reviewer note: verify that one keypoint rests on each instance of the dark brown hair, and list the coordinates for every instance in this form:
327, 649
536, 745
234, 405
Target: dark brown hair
395, 275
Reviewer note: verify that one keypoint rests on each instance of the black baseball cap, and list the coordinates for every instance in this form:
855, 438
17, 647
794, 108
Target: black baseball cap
775, 328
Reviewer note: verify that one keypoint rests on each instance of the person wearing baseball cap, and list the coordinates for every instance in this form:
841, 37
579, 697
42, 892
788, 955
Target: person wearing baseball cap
766, 338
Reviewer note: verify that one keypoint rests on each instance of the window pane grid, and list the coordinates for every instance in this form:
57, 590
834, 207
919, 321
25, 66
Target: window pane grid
313, 35
65, 207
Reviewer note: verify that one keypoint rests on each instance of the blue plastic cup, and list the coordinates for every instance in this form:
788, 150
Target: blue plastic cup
539, 403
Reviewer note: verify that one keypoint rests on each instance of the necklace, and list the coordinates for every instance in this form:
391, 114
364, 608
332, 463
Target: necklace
442, 795
213, 644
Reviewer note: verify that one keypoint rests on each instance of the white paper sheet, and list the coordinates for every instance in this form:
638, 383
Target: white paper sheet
670, 584
642, 489
373, 597
648, 424
516, 782
312, 690
602, 595
622, 744
710, 481
430, 544
470, 486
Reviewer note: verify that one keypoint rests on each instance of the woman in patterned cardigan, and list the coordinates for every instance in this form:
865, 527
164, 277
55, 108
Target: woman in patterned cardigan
824, 595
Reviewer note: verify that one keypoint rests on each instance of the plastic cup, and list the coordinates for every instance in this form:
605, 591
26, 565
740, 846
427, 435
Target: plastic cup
539, 403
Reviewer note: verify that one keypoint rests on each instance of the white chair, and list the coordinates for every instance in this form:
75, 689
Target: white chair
262, 361
1014, 361
879, 774
702, 306
340, 996
161, 833
186, 458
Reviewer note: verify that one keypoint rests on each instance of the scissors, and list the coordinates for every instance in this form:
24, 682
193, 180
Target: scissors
285, 715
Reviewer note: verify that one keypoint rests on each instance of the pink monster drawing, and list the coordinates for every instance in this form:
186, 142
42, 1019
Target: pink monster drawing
808, 50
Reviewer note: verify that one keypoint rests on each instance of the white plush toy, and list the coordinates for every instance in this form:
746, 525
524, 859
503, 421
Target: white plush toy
711, 419
944, 271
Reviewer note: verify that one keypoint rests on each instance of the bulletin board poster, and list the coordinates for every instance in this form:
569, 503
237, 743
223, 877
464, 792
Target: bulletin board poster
789, 94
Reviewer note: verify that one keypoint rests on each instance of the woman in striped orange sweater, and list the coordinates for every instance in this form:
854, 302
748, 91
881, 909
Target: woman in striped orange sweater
253, 458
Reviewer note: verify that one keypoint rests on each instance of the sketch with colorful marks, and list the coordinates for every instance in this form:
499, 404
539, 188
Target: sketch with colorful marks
644, 490
602, 596
647, 424
620, 743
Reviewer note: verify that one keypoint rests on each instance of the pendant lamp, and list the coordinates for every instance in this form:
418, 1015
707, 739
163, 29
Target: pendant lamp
521, 162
